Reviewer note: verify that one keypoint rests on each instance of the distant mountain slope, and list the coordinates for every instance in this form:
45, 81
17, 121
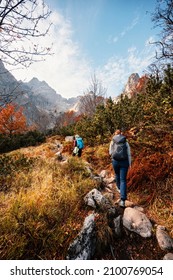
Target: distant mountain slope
46, 97
41, 103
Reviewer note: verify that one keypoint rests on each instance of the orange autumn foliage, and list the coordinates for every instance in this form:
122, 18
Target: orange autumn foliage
12, 120
69, 117
142, 84
147, 170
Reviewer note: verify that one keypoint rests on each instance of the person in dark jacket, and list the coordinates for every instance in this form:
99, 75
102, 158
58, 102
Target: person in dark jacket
119, 151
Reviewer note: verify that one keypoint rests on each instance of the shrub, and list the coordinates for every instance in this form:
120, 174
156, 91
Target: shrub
10, 166
149, 169
17, 141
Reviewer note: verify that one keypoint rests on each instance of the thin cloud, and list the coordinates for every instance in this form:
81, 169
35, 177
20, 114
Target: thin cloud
130, 26
67, 70
116, 71
150, 41
114, 39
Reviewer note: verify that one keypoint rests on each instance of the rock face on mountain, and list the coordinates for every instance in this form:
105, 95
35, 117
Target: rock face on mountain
46, 97
131, 85
40, 102
135, 85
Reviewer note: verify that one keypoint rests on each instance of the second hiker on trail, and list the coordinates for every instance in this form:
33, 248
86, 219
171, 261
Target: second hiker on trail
78, 145
119, 151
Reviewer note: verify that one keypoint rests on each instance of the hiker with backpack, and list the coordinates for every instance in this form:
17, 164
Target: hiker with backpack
119, 151
78, 146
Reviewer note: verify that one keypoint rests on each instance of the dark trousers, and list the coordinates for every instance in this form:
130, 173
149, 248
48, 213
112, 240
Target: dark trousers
121, 169
79, 153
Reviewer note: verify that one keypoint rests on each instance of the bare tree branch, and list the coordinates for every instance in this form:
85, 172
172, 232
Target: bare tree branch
163, 18
20, 22
93, 96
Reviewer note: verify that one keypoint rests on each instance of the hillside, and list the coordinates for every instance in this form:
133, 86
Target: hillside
42, 208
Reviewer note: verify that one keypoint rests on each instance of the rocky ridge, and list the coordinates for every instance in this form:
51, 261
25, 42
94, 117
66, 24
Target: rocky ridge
135, 84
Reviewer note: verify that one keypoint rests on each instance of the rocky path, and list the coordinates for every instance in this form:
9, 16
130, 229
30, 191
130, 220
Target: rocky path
134, 236
127, 234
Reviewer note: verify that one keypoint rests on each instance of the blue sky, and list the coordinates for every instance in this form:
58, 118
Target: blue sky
110, 38
104, 28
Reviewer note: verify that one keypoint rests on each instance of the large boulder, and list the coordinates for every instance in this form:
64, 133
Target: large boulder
95, 199
98, 201
136, 221
164, 240
83, 247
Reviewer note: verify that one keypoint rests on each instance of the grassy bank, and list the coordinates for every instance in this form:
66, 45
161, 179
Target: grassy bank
42, 207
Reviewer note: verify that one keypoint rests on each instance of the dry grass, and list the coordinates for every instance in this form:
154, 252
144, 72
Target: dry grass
161, 209
98, 157
43, 210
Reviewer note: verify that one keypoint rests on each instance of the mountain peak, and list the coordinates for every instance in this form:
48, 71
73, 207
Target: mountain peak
34, 80
131, 84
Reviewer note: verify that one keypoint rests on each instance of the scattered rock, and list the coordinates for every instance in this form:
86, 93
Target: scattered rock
59, 156
69, 139
103, 173
164, 240
108, 181
110, 186
83, 247
97, 178
95, 199
137, 221
111, 180
117, 226
109, 194
168, 256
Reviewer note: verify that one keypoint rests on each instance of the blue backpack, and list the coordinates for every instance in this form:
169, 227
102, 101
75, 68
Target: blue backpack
80, 143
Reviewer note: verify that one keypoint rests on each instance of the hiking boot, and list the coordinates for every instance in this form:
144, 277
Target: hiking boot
122, 203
